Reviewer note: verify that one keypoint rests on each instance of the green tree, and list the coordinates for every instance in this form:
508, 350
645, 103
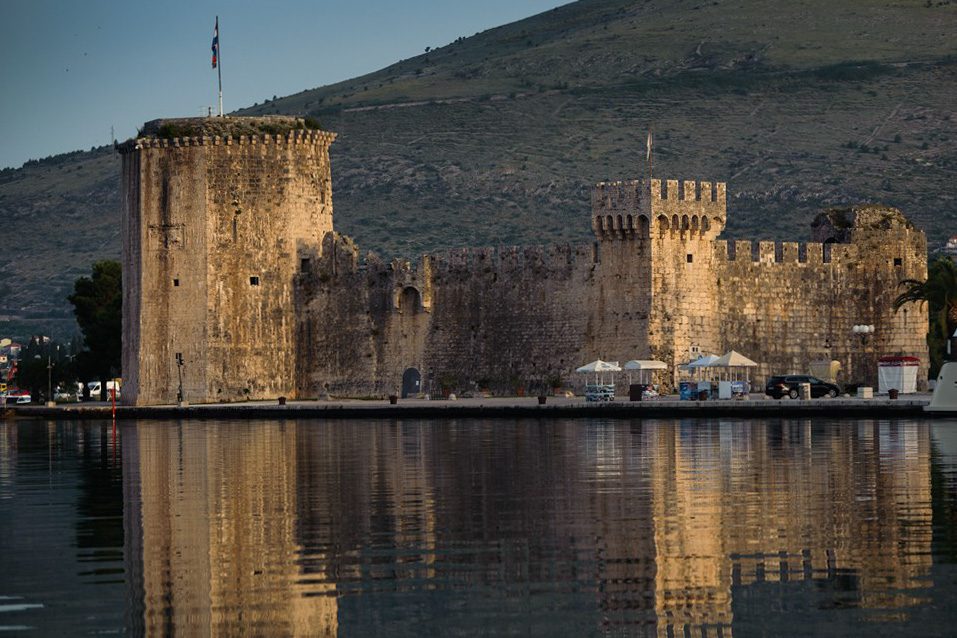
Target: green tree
32, 371
939, 291
98, 306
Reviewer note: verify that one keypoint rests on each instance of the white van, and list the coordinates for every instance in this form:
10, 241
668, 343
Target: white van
96, 388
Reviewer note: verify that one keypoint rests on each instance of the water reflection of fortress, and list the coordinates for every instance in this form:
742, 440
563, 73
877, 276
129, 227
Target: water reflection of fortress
303, 530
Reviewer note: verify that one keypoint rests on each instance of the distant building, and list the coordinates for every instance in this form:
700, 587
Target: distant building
950, 248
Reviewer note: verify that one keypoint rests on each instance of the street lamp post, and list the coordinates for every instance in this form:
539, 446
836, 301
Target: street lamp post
863, 331
180, 398
50, 401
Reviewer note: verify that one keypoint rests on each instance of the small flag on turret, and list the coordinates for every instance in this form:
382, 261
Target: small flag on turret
647, 154
216, 43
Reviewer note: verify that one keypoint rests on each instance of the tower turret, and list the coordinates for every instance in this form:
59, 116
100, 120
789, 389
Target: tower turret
678, 210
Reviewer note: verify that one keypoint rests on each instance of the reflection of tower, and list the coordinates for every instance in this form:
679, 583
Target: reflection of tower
727, 515
651, 528
626, 578
693, 583
8, 444
133, 531
217, 516
862, 515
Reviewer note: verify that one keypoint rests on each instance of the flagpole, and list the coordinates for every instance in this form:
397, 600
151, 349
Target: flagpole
219, 67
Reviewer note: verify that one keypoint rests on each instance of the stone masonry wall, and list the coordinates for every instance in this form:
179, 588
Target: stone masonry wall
166, 245
787, 304
269, 205
480, 317
686, 219
218, 229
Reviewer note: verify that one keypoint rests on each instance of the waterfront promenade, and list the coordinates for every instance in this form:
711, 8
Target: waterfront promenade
504, 407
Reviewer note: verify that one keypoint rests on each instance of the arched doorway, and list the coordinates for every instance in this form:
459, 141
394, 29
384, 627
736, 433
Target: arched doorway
410, 301
411, 383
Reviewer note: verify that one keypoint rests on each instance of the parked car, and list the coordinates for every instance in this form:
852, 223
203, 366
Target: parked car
788, 386
65, 394
17, 397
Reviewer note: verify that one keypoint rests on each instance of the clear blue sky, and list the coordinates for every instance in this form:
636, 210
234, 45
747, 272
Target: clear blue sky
72, 69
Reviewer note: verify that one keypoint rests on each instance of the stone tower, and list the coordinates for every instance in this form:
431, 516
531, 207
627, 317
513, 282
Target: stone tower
220, 216
655, 248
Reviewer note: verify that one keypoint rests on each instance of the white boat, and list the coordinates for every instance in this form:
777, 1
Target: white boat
945, 392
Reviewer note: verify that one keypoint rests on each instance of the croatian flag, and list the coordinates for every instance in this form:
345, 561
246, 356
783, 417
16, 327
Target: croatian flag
216, 43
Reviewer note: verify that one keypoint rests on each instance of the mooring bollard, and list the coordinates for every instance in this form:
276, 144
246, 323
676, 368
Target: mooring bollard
393, 399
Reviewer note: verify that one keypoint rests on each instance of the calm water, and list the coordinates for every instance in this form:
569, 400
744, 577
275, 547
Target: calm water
574, 528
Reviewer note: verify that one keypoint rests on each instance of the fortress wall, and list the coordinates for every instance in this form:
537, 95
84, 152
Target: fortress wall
503, 318
335, 329
784, 312
512, 319
618, 306
131, 228
230, 258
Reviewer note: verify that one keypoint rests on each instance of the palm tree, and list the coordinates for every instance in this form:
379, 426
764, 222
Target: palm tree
940, 293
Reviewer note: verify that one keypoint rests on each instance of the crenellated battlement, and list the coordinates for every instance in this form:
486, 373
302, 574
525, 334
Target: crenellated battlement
687, 209
688, 191
781, 252
674, 209
292, 138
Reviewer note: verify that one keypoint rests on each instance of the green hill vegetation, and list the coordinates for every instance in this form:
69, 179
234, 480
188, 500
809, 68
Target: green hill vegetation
497, 138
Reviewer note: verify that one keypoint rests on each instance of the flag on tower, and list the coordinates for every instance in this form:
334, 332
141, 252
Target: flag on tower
216, 42
648, 153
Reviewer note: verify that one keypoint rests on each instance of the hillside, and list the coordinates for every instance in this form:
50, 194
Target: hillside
496, 138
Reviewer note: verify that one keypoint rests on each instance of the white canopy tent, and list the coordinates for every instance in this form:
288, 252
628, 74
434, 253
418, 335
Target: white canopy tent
644, 368
598, 368
699, 364
734, 360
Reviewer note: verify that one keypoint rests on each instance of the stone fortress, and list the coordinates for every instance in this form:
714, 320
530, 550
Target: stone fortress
232, 266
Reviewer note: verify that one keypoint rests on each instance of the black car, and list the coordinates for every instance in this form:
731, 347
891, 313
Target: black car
787, 385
